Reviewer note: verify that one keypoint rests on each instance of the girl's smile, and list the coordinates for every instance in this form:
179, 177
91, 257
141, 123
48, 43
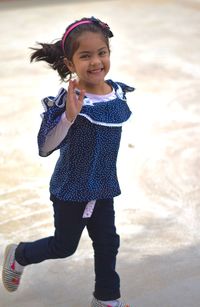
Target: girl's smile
91, 63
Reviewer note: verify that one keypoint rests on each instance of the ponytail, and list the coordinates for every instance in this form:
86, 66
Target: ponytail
53, 55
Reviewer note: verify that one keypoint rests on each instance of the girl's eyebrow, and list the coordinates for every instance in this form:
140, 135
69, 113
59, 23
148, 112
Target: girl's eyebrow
87, 51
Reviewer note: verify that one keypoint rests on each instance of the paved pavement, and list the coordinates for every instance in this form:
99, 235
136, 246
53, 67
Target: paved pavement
156, 49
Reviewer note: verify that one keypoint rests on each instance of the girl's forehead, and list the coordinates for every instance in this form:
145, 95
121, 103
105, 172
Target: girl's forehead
90, 39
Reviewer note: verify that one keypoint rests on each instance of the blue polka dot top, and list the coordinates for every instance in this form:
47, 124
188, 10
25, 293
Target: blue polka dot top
86, 167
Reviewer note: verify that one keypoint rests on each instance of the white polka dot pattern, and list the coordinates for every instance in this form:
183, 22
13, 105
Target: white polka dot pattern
86, 168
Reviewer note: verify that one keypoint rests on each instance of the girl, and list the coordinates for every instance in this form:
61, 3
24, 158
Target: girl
85, 124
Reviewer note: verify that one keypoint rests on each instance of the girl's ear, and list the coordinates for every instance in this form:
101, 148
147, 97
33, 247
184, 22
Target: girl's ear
69, 65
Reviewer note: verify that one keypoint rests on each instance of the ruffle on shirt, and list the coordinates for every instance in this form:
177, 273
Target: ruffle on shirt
111, 113
58, 102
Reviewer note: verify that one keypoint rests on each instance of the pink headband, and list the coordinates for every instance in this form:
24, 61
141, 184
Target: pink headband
71, 28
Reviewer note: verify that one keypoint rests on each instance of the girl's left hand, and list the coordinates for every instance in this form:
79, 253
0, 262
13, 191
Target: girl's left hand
73, 103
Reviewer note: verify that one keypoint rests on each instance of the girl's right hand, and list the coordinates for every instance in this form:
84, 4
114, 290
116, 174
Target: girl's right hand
73, 103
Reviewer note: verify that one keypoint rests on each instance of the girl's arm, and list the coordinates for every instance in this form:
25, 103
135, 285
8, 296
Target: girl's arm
56, 135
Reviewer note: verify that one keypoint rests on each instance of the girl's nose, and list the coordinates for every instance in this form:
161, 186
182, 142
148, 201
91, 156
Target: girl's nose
95, 61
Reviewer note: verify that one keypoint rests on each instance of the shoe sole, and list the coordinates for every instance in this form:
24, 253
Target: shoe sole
95, 303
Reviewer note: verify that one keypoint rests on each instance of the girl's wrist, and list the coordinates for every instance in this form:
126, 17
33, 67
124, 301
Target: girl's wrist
69, 119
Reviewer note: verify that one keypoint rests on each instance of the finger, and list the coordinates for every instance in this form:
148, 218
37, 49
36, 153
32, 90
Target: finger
71, 94
75, 83
81, 97
70, 89
70, 85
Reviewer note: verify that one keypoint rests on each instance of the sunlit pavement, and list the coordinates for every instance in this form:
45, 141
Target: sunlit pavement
156, 50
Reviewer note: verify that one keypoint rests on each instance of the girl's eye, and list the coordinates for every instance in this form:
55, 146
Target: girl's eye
85, 56
102, 53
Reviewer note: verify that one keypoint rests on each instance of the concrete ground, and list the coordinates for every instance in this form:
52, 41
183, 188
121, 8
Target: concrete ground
156, 48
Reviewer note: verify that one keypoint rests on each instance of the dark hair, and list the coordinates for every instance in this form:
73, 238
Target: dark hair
55, 53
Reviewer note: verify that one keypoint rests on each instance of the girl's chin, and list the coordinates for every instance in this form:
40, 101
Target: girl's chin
92, 79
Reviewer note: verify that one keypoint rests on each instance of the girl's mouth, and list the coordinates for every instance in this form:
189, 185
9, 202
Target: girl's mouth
95, 71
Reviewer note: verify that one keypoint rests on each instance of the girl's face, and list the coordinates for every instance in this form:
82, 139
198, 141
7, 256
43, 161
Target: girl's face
91, 61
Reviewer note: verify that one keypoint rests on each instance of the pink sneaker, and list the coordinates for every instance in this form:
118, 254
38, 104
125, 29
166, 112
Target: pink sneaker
12, 271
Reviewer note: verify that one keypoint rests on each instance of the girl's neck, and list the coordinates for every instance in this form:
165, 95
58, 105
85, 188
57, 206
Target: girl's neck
100, 89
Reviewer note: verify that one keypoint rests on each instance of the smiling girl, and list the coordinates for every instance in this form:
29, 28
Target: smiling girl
84, 123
